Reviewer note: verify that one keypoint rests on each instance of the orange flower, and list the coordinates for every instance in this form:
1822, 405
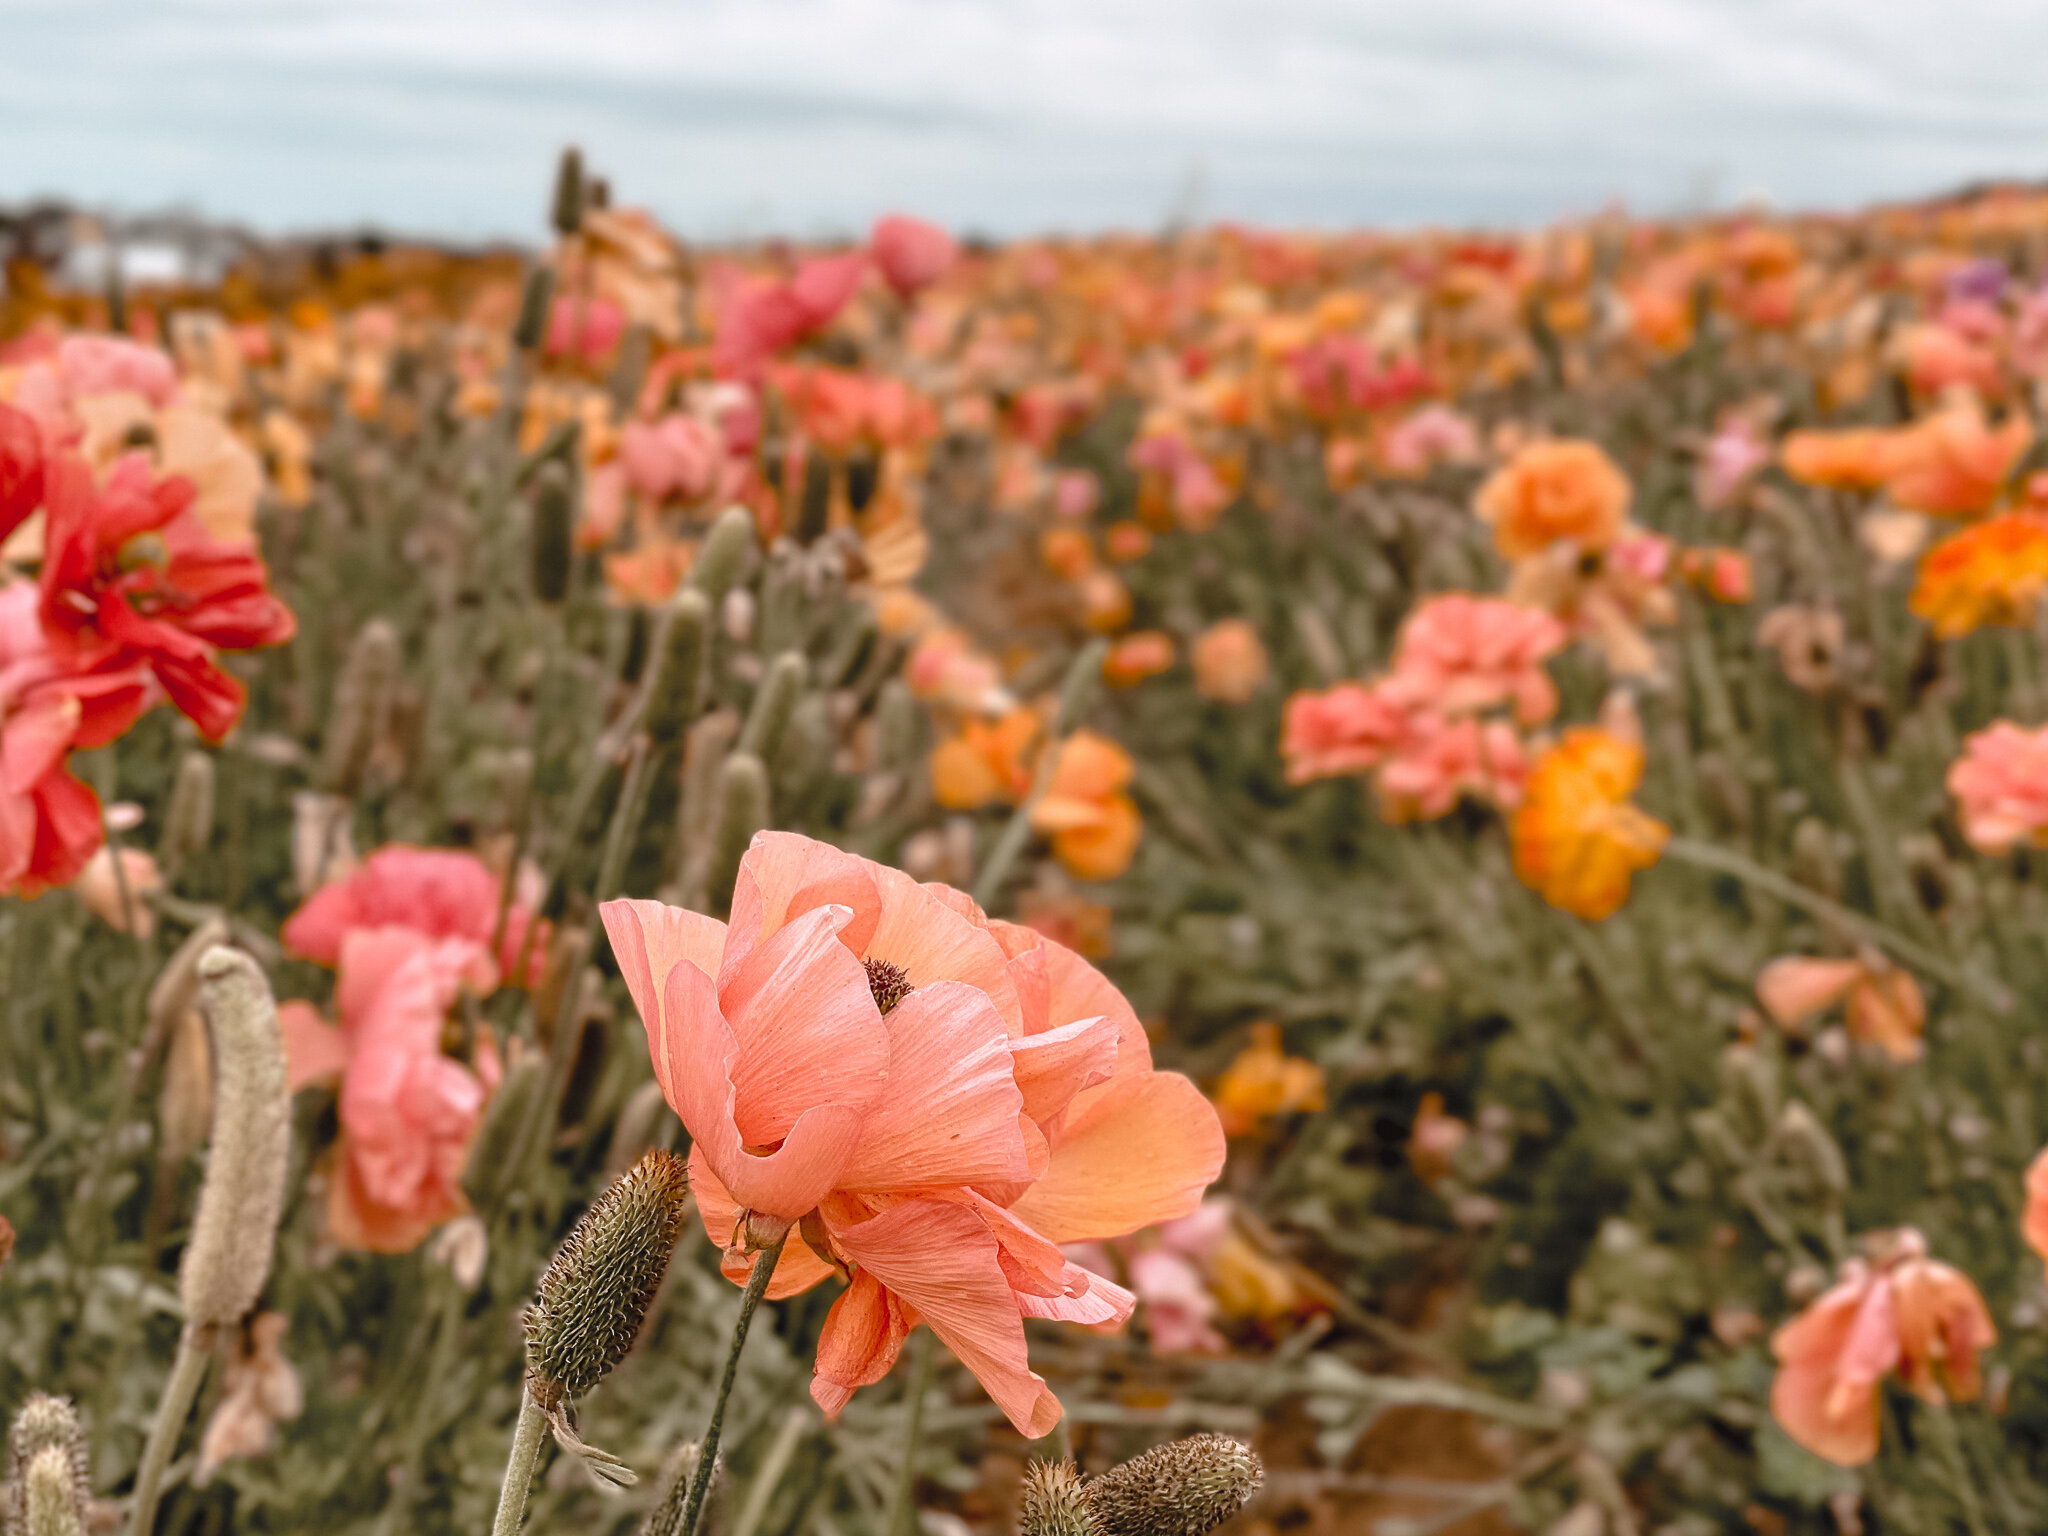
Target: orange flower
1577, 840
1886, 1007
1093, 823
1136, 657
1860, 459
1066, 553
1264, 1081
2034, 1224
1952, 464
984, 764
1230, 661
1127, 541
1550, 491
1905, 1312
1991, 573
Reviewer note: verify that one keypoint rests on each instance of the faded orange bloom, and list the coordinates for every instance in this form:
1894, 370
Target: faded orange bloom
1566, 490
1105, 602
1860, 459
1577, 840
985, 763
1136, 657
649, 575
1264, 1081
1991, 573
1885, 1005
1901, 1312
1067, 552
1952, 464
1230, 661
1094, 824
100, 888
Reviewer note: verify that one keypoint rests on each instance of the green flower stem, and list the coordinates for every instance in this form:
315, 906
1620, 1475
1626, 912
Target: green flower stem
187, 1372
526, 1437
707, 1455
1962, 1476
903, 1514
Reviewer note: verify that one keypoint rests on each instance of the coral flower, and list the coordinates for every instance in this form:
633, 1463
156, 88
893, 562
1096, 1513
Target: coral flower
1952, 464
407, 1111
985, 763
1992, 572
1093, 822
675, 456
1860, 459
910, 253
1434, 434
1465, 653
2034, 1224
1904, 1312
1550, 492
933, 1100
1446, 758
1342, 730
1577, 840
1229, 661
1137, 657
2001, 787
21, 468
1885, 1005
1262, 1081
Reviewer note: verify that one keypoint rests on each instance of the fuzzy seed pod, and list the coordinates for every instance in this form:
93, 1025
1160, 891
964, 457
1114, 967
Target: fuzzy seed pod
774, 702
228, 1257
591, 1298
567, 210
188, 818
1182, 1488
175, 991
362, 708
666, 1518
1726, 1150
723, 552
553, 525
671, 686
806, 744
486, 1169
1054, 1503
1812, 1154
742, 811
534, 303
703, 755
48, 1478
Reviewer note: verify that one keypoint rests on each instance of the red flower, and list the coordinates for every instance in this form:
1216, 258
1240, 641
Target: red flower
21, 468
130, 574
911, 253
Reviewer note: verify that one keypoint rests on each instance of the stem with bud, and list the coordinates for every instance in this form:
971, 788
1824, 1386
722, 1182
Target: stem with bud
765, 1261
526, 1437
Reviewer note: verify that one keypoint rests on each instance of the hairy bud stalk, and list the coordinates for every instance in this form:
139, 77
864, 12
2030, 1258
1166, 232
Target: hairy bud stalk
742, 811
48, 1477
188, 819
774, 702
1183, 1488
362, 706
671, 686
534, 301
566, 212
486, 1172
553, 524
1054, 1502
724, 551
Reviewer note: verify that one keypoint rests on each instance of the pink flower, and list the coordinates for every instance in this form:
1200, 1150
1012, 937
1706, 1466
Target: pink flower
407, 1111
767, 315
439, 893
584, 326
1432, 434
105, 365
935, 1101
1463, 653
1734, 455
1347, 729
677, 455
2001, 787
1906, 1313
911, 253
1885, 1005
1075, 494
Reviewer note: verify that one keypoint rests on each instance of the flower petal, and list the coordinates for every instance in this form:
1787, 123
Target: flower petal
784, 875
864, 1332
796, 1271
931, 941
649, 937
314, 1050
1054, 1066
1143, 1154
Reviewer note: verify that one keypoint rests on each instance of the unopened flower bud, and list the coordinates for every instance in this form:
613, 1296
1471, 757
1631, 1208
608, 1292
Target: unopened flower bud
774, 701
814, 504
1816, 1161
1054, 1504
48, 1482
566, 212
1183, 1488
534, 303
666, 1518
362, 707
553, 525
463, 1245
723, 552
742, 811
488, 1166
645, 1120
188, 818
671, 684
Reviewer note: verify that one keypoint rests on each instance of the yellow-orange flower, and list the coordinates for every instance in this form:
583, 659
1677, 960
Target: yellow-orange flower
1952, 464
1991, 573
1564, 490
1577, 840
1230, 661
1093, 823
1860, 459
985, 762
1263, 1081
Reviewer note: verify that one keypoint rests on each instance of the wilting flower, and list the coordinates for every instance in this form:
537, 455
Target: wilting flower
985, 762
1086, 809
262, 1391
407, 1111
1808, 642
1992, 572
1577, 840
1560, 491
1900, 1311
1462, 653
1348, 729
910, 253
2001, 787
1885, 1005
1952, 464
1262, 1081
933, 1100
1229, 661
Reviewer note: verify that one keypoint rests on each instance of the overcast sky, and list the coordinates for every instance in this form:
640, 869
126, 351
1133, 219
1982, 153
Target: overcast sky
811, 116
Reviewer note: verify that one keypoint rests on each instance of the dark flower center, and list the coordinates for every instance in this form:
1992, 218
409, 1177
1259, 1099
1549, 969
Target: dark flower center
888, 983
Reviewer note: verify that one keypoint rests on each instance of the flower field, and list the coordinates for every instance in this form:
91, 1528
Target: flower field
766, 890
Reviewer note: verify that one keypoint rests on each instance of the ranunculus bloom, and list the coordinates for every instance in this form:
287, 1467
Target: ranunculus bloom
1262, 1080
1136, 657
1733, 456
1462, 653
1086, 810
584, 326
986, 762
1886, 1007
1858, 459
1952, 464
1445, 758
1433, 434
2001, 787
1992, 572
102, 890
21, 468
766, 315
1904, 1312
226, 475
675, 456
1577, 839
442, 893
1229, 661
1347, 729
407, 1111
1560, 491
911, 253
932, 1099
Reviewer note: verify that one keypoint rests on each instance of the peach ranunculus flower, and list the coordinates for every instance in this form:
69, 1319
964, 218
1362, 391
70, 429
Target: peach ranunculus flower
1464, 653
1886, 1007
1087, 810
2001, 787
1262, 1081
1577, 839
1567, 490
1347, 729
1857, 459
407, 1111
1230, 661
1901, 1311
985, 762
931, 1099
1136, 657
1991, 572
1953, 464
1446, 758
224, 470
1433, 434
